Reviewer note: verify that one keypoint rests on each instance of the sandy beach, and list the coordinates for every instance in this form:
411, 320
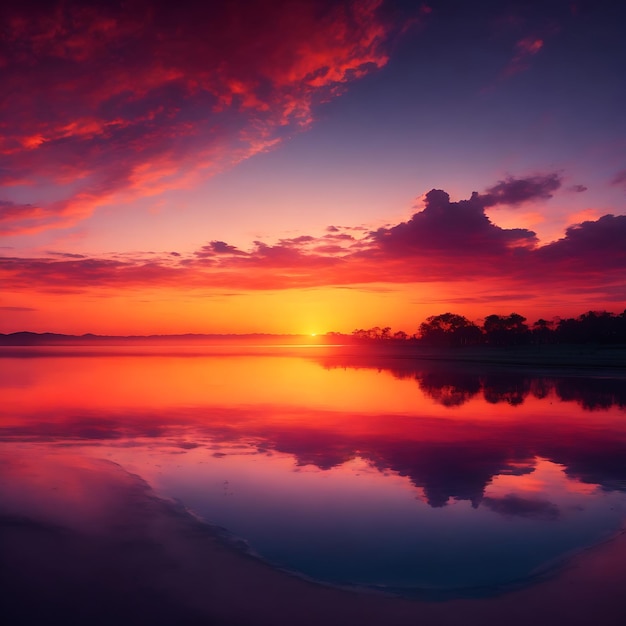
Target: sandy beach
83, 541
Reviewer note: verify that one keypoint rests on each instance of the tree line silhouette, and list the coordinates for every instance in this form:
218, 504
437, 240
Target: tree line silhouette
453, 330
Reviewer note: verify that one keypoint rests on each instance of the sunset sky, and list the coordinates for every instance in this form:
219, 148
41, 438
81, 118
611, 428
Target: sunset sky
305, 166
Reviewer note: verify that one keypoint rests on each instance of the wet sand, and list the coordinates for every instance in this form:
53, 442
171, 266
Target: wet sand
84, 542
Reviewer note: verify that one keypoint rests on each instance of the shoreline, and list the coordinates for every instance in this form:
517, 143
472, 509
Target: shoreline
569, 361
153, 560
545, 572
578, 359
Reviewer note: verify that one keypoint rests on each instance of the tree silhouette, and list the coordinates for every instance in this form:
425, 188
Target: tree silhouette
449, 329
506, 331
593, 326
376, 332
542, 332
453, 330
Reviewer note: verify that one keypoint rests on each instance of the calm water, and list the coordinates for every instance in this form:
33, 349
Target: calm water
343, 468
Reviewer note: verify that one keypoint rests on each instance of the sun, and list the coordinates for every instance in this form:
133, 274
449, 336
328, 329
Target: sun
313, 334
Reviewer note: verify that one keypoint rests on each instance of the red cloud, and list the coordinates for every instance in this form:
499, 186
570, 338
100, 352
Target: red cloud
124, 100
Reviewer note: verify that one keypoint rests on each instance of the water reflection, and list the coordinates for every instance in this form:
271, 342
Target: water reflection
453, 384
351, 473
446, 458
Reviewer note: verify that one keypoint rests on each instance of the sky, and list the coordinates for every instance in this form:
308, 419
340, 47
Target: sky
305, 166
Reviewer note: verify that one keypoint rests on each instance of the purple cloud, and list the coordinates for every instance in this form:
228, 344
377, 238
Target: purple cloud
66, 255
594, 245
577, 188
217, 248
514, 191
619, 180
457, 228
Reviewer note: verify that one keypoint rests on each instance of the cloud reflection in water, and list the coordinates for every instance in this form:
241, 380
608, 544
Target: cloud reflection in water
507, 471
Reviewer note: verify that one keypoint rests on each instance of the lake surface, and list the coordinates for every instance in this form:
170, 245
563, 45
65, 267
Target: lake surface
384, 473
